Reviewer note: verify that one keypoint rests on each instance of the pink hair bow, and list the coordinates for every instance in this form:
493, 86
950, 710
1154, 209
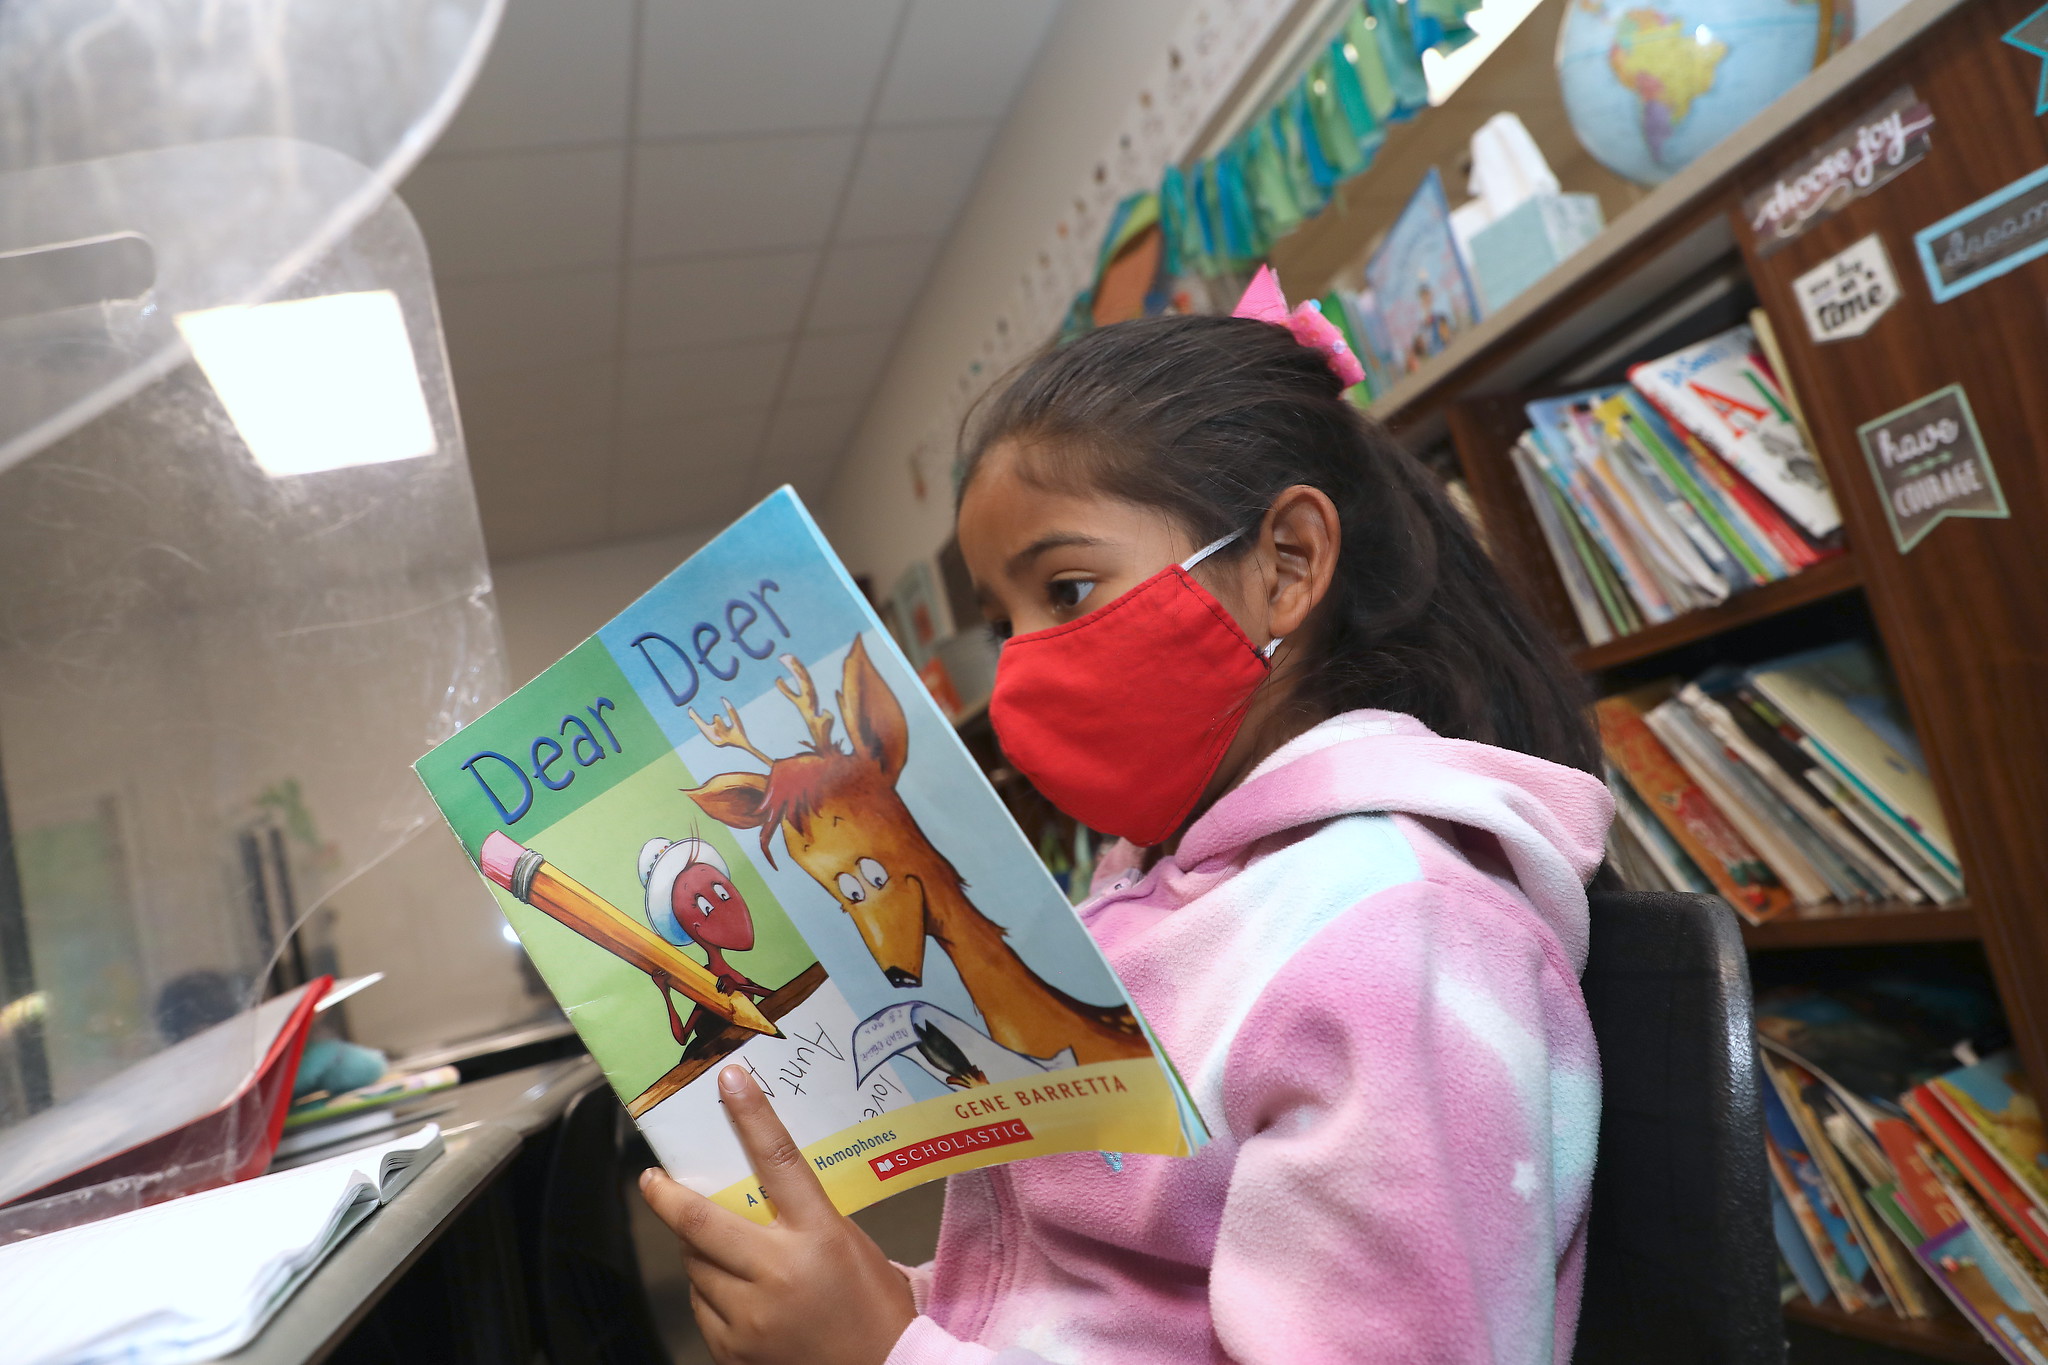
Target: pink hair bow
1264, 302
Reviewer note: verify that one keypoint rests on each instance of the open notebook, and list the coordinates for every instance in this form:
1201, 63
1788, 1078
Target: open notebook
197, 1277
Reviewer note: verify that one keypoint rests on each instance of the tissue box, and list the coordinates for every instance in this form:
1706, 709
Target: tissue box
1520, 247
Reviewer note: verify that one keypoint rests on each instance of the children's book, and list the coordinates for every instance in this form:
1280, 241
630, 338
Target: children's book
1722, 389
1984, 1178
1974, 1280
1418, 282
1818, 1212
733, 827
1686, 811
1994, 1099
1843, 699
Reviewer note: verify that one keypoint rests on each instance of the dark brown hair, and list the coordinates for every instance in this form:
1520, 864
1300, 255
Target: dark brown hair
1209, 419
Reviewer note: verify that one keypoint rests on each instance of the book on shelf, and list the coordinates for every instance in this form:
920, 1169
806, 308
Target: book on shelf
1685, 811
1940, 1184
1818, 818
734, 827
1724, 391
1851, 719
1986, 1294
1642, 516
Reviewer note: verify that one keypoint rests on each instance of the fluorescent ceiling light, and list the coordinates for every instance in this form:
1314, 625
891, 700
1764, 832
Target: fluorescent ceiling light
316, 384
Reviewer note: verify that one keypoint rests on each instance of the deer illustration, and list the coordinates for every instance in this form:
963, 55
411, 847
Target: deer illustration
843, 823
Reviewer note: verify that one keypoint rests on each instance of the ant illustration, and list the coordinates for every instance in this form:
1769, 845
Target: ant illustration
691, 899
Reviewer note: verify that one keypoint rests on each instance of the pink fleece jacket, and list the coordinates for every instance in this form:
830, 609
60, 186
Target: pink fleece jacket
1364, 961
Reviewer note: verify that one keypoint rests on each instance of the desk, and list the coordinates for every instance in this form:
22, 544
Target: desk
487, 1123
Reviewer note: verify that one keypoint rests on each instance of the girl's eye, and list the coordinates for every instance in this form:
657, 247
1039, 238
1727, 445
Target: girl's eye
718, 889
1068, 593
877, 876
703, 906
850, 888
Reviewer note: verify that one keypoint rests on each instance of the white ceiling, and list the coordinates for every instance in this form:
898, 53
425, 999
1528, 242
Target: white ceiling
676, 240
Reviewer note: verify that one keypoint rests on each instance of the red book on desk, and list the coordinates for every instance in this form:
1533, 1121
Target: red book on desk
203, 1112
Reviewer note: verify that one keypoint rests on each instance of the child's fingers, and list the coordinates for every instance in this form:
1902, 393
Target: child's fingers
706, 1230
800, 1201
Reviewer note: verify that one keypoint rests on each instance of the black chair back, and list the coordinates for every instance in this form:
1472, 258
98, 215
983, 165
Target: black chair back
1680, 1258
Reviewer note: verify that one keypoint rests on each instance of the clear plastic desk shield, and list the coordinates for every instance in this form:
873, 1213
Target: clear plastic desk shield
242, 580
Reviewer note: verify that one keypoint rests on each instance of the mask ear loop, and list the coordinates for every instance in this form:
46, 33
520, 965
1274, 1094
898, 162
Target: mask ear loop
1211, 548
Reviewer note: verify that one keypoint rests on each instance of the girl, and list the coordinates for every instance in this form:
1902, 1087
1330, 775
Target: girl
1250, 633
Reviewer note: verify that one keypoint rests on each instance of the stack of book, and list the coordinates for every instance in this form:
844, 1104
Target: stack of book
1688, 484
1895, 1187
1795, 783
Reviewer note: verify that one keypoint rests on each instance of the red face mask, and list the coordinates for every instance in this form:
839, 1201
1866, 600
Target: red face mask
1121, 717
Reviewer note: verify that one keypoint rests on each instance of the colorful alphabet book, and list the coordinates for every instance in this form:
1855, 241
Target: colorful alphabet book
732, 827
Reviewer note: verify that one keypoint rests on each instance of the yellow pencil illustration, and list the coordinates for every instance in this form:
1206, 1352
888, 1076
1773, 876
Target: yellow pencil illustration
545, 887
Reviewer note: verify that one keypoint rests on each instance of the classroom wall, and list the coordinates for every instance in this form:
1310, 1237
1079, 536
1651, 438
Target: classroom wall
1084, 82
548, 604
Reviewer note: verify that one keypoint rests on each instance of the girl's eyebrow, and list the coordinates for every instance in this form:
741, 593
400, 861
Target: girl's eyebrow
1052, 540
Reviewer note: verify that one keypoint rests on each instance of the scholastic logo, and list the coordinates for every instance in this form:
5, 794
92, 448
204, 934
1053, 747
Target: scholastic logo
889, 1165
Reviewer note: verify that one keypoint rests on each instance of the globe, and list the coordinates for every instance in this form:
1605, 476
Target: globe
1650, 84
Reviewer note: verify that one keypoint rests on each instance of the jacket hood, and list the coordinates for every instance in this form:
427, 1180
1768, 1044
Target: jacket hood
1551, 821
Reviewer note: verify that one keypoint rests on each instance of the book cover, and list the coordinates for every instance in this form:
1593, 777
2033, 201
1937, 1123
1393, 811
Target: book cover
1630, 417
1722, 391
1594, 617
1781, 764
1821, 1217
1792, 1245
1786, 539
1799, 1091
732, 826
1918, 1192
1706, 763
1418, 282
1692, 819
1994, 1099
1598, 506
1976, 1284
1984, 1177
1844, 700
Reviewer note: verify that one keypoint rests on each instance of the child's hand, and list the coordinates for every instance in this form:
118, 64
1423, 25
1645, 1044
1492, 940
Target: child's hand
810, 1288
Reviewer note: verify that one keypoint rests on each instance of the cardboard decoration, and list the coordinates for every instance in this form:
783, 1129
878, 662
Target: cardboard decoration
1929, 463
1977, 243
1884, 143
2031, 35
1846, 294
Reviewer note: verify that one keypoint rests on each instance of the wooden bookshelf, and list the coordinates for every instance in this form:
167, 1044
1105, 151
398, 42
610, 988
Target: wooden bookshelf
1865, 925
1963, 615
1826, 579
1943, 1338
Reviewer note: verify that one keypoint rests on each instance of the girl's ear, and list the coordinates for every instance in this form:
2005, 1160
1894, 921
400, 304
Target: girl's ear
1299, 539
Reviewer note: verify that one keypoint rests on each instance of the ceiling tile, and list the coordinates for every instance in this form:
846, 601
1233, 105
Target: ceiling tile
527, 211
678, 475
540, 452
963, 59
748, 66
522, 322
665, 389
804, 432
913, 180
557, 75
871, 284
838, 364
737, 194
671, 305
